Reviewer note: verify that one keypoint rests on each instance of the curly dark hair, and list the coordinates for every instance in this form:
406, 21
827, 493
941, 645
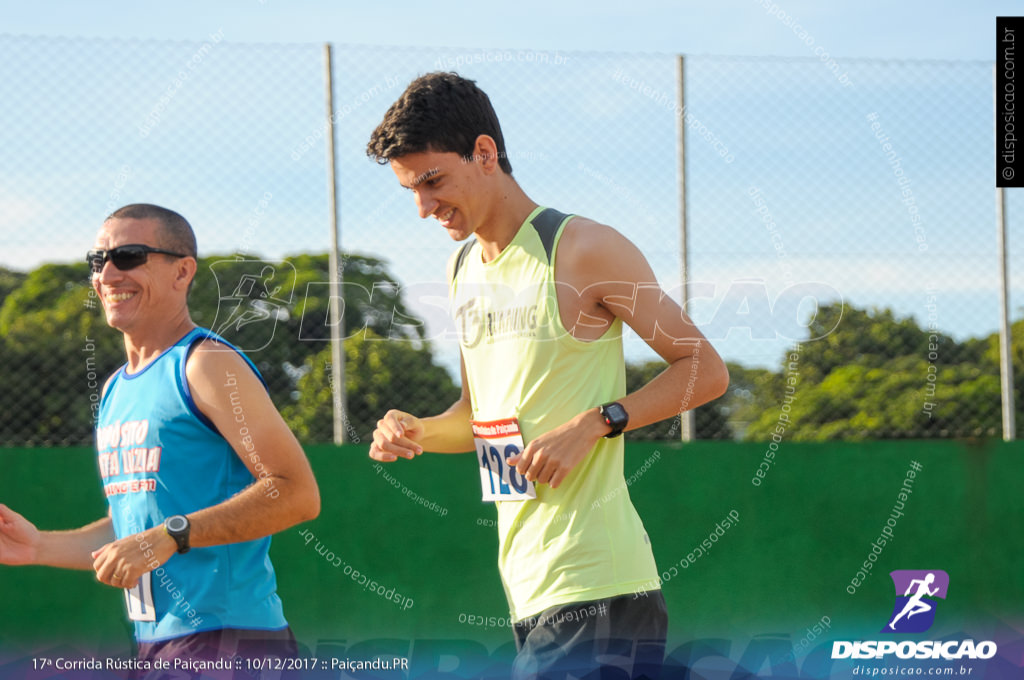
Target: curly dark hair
437, 112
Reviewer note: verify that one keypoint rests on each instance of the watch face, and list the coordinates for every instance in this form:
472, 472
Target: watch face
615, 414
176, 523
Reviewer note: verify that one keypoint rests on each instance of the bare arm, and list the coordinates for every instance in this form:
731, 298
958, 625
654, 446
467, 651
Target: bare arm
228, 392
401, 434
614, 280
615, 276
22, 543
267, 448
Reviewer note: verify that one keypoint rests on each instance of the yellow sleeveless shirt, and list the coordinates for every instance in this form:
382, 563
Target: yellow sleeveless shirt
584, 540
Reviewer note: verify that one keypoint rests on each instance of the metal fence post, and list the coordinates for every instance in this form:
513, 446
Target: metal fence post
1005, 332
688, 426
337, 323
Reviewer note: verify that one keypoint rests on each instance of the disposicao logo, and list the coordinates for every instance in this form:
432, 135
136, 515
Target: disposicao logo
914, 612
916, 591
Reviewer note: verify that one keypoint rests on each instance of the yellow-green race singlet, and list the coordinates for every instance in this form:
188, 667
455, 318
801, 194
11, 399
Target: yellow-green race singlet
584, 540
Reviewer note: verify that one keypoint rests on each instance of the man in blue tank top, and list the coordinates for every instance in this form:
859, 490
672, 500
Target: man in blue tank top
197, 465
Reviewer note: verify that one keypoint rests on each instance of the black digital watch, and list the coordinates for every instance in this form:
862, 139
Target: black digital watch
616, 418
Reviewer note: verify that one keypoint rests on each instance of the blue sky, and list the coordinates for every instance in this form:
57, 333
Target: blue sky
904, 30
85, 78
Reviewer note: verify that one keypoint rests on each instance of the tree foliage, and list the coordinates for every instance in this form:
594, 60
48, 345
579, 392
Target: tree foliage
380, 374
878, 376
9, 282
56, 353
57, 350
711, 420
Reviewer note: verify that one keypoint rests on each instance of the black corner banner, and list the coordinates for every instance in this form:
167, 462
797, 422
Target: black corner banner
1009, 153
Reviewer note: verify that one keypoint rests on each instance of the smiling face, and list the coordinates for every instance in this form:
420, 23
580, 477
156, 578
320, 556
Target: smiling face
453, 190
145, 294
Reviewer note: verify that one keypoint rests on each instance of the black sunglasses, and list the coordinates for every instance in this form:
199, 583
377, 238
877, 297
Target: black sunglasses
124, 257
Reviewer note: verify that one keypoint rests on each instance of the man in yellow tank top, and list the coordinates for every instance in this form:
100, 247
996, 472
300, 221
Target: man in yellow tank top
539, 298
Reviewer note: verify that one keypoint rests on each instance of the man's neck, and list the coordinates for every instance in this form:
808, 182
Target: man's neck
506, 214
142, 347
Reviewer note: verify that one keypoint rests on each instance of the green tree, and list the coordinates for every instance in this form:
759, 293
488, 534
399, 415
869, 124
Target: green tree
741, 403
711, 419
877, 376
10, 280
989, 349
278, 313
869, 337
53, 335
57, 351
380, 374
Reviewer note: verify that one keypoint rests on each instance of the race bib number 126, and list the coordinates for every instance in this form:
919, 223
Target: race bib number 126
496, 442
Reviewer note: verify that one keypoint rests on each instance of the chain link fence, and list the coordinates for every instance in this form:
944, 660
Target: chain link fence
840, 222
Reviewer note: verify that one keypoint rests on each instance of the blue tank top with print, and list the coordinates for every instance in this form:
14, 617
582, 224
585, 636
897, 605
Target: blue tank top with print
160, 456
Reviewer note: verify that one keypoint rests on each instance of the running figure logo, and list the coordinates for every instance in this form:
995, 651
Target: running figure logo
914, 611
253, 295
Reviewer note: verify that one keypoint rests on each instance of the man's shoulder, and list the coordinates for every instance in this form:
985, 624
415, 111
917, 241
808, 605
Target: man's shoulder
587, 243
212, 353
586, 232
